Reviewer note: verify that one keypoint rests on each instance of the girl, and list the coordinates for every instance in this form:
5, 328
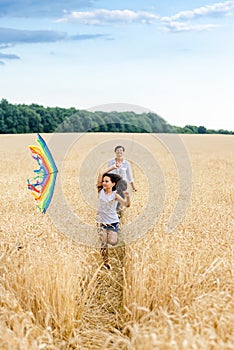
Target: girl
107, 217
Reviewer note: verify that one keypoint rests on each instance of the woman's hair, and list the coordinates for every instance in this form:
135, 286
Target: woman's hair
114, 179
119, 147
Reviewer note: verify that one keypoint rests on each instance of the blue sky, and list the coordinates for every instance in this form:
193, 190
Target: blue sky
175, 58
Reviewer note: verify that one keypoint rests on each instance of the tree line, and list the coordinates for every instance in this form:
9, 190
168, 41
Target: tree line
33, 118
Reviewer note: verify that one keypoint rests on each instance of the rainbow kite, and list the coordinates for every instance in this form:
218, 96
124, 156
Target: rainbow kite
42, 185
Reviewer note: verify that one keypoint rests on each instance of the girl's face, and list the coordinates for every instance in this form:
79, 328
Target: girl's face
107, 184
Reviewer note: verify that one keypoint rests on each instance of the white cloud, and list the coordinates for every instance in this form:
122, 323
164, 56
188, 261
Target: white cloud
177, 23
217, 9
102, 16
174, 26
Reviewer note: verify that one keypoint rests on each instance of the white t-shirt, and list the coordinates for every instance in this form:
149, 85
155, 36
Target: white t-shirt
107, 208
124, 170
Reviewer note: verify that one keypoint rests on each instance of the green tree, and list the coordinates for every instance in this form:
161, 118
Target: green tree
201, 130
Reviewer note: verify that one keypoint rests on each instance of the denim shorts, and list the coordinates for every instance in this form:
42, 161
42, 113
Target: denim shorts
111, 227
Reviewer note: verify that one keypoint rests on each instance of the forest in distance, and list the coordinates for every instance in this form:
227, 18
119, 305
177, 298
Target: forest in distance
34, 118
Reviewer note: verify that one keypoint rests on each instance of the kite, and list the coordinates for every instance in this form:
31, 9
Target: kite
42, 186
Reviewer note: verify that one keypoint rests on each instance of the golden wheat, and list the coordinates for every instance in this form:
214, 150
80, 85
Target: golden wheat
165, 291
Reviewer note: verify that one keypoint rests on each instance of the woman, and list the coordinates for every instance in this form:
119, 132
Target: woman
122, 168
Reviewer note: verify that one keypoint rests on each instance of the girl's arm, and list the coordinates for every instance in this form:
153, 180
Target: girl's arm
126, 201
100, 175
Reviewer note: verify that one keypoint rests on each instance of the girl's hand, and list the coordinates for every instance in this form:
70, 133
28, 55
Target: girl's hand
127, 199
114, 166
117, 164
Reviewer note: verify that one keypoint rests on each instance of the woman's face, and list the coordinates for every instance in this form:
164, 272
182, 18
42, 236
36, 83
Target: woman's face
119, 152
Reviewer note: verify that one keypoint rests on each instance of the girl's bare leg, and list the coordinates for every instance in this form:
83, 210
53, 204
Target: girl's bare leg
103, 237
104, 248
112, 237
104, 252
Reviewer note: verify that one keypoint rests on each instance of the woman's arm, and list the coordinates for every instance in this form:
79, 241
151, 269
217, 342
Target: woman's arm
129, 175
124, 201
128, 171
110, 163
133, 186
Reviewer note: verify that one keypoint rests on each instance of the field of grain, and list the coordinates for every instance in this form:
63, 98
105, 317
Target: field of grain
166, 290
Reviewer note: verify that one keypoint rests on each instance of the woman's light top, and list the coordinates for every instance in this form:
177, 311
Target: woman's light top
124, 170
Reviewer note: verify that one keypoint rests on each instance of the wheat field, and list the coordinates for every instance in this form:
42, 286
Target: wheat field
166, 290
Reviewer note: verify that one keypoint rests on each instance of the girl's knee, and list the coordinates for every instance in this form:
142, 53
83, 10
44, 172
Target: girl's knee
103, 237
112, 238
113, 242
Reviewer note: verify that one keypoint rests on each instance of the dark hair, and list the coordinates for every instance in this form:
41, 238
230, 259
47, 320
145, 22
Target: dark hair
119, 147
114, 179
